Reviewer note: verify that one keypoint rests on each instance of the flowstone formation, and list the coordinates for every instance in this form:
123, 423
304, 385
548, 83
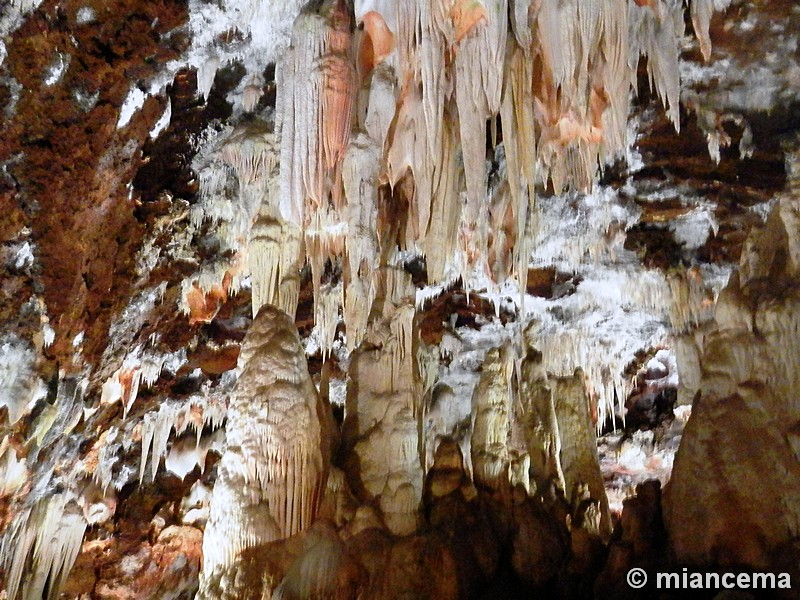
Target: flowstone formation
373, 299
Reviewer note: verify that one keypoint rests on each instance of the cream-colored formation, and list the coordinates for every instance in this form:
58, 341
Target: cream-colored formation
492, 404
533, 429
385, 123
49, 536
381, 429
384, 130
536, 416
582, 478
271, 477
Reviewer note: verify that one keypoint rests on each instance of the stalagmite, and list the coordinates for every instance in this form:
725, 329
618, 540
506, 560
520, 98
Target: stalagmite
535, 415
491, 420
447, 473
578, 454
382, 409
272, 475
324, 570
742, 438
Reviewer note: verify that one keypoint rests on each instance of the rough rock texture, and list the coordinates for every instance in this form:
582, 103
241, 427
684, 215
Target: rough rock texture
736, 475
427, 191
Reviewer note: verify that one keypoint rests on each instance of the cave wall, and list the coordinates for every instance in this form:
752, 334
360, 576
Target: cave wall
418, 190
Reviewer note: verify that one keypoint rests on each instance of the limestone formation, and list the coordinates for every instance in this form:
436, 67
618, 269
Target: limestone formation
579, 449
491, 421
381, 430
377, 299
537, 420
272, 475
553, 418
736, 474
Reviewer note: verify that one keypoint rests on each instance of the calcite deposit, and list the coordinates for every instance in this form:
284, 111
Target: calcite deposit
377, 299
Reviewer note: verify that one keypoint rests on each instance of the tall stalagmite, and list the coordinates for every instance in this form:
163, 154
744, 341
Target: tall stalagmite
271, 477
381, 429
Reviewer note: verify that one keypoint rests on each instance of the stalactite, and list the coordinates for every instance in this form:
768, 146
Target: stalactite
251, 150
100, 461
604, 370
518, 120
20, 388
440, 233
560, 86
139, 367
157, 427
360, 178
316, 87
275, 255
702, 11
478, 65
49, 536
326, 315
252, 94
185, 454
654, 30
692, 302
13, 468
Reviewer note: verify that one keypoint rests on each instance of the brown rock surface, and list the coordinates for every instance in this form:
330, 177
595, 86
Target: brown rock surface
733, 498
118, 243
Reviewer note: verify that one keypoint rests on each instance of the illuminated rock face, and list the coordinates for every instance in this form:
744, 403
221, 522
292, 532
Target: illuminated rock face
735, 477
410, 224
